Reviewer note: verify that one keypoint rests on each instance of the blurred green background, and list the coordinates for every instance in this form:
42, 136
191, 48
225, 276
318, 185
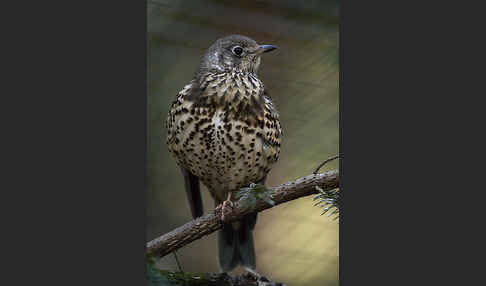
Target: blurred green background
294, 243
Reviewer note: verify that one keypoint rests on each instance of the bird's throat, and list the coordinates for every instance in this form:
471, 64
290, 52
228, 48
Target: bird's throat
238, 93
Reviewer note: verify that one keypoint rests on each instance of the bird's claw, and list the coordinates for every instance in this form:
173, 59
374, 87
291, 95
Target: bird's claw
260, 279
225, 209
255, 275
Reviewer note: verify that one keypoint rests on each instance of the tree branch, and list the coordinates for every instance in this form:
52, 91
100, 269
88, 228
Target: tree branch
211, 222
157, 277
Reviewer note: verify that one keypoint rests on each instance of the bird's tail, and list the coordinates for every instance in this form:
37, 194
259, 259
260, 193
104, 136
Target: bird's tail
235, 244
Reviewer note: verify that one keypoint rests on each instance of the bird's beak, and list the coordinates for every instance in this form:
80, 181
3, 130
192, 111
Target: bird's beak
266, 48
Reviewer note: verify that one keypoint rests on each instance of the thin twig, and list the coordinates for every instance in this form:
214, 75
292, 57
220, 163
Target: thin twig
325, 162
177, 261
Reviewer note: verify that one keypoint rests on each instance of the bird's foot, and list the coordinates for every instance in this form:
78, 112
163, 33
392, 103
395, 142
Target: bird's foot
254, 274
260, 279
225, 209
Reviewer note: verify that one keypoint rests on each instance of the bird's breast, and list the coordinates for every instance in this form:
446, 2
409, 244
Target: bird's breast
227, 148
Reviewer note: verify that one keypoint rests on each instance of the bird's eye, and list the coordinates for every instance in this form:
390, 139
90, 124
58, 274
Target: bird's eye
237, 50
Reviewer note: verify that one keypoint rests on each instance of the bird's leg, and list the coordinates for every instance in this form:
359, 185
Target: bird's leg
226, 207
228, 201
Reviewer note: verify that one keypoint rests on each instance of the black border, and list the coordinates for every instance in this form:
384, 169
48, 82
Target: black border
79, 145
400, 114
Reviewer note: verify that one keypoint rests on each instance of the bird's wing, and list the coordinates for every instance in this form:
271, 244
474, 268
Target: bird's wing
175, 108
177, 112
193, 192
272, 131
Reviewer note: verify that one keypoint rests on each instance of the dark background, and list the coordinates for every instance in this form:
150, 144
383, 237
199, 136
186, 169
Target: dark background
294, 244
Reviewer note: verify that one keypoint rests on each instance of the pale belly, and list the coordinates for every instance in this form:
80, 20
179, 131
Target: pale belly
225, 156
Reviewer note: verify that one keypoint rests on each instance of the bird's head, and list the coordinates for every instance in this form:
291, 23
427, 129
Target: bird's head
234, 52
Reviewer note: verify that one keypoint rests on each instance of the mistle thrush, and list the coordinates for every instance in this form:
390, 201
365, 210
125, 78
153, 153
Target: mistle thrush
224, 130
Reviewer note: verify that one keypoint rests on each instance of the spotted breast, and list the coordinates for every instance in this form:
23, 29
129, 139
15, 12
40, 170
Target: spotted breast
225, 130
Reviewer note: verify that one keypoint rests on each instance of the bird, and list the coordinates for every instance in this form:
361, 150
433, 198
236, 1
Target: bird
223, 130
